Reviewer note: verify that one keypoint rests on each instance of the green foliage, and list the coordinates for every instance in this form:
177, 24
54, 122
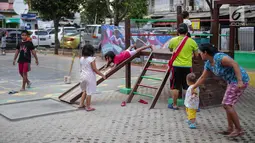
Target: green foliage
138, 9
55, 9
93, 11
116, 9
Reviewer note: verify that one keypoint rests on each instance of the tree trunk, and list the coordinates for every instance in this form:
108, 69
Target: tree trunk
116, 20
57, 44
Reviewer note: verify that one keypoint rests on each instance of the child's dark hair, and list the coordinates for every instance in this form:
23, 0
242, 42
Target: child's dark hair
185, 14
208, 48
109, 54
191, 77
25, 31
88, 50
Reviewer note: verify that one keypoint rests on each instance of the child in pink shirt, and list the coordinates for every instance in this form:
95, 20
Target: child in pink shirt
110, 57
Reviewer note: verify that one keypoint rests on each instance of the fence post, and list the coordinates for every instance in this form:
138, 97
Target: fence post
127, 43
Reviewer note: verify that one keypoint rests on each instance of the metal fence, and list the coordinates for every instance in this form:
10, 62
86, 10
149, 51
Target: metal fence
245, 39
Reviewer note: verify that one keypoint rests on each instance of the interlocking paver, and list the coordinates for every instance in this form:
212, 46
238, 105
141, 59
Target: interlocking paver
135, 123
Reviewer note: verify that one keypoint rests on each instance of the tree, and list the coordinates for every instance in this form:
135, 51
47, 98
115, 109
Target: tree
94, 11
138, 9
55, 10
119, 9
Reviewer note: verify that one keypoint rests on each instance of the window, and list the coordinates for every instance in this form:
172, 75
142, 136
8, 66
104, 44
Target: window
53, 31
41, 33
70, 30
99, 30
171, 3
90, 29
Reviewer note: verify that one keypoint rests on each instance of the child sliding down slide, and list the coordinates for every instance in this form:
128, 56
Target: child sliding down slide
110, 57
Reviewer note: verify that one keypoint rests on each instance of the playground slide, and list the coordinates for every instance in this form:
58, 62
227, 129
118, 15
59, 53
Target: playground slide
73, 94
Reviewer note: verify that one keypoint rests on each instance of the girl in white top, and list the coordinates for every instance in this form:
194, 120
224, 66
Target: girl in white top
185, 16
88, 71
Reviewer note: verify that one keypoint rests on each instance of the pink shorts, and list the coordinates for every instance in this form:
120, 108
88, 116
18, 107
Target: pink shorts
233, 93
24, 67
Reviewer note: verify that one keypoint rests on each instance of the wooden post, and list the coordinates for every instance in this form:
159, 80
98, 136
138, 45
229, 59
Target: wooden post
232, 34
179, 16
127, 43
254, 38
215, 27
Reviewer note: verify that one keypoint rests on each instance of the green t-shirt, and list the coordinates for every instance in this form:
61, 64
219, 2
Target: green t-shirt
184, 59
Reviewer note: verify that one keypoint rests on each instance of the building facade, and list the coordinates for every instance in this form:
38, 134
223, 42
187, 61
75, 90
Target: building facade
161, 8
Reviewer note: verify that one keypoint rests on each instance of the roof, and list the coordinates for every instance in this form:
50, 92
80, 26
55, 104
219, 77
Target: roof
13, 20
6, 6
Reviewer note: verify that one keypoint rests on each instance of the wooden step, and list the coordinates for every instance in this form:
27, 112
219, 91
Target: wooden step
157, 70
153, 78
147, 86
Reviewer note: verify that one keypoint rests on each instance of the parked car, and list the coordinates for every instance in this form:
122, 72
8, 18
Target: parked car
61, 32
92, 35
72, 41
40, 37
12, 39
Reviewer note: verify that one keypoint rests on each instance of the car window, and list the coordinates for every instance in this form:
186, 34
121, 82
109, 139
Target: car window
14, 35
41, 33
75, 34
53, 31
70, 30
90, 29
99, 30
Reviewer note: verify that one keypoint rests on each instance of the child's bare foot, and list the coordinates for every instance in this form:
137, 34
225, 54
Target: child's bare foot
81, 107
152, 47
227, 132
22, 89
236, 133
29, 84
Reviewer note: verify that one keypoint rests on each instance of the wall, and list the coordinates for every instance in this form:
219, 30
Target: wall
247, 61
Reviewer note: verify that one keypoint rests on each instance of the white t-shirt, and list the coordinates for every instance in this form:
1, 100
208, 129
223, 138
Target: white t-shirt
188, 23
192, 102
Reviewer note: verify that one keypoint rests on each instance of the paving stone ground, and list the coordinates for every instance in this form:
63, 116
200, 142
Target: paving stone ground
134, 123
111, 123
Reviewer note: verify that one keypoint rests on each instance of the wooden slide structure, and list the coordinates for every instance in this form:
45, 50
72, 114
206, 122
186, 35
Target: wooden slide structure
73, 94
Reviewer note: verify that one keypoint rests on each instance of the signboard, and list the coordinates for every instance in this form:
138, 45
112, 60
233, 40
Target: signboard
237, 16
196, 24
28, 16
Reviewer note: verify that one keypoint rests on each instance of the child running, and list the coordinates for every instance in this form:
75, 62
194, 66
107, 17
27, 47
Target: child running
24, 50
88, 76
191, 101
110, 57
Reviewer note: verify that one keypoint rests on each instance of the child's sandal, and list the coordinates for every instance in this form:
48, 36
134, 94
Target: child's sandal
236, 134
192, 126
90, 109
